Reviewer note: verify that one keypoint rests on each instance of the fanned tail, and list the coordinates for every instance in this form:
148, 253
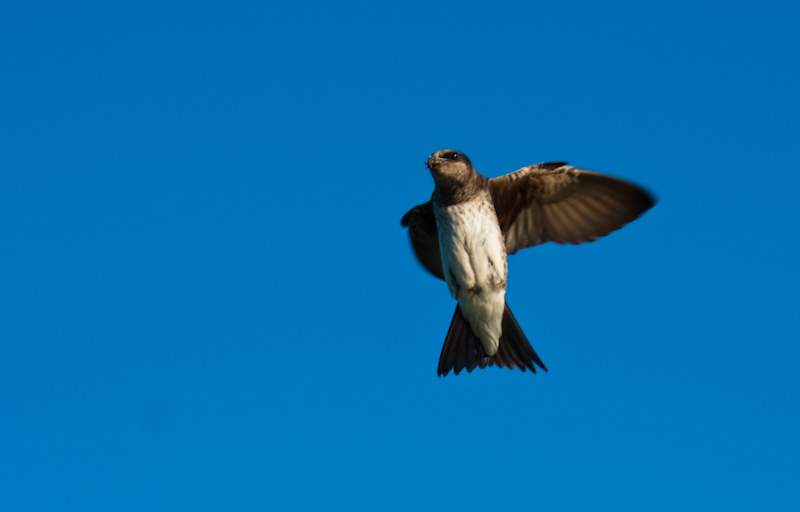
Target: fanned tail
462, 349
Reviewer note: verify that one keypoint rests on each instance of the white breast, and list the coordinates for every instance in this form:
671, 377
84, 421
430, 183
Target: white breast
474, 263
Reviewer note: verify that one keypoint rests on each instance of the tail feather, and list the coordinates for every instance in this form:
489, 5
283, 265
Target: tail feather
518, 342
509, 356
462, 349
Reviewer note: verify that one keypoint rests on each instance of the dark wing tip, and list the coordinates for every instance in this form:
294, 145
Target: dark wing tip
650, 198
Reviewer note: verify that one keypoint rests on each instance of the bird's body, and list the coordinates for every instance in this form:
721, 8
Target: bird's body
474, 263
465, 232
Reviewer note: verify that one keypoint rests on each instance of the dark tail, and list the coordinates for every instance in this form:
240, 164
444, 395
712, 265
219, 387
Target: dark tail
462, 349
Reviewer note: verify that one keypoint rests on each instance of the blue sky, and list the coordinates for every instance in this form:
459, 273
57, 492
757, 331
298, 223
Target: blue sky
208, 302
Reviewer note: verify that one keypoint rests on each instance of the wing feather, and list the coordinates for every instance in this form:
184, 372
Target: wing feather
424, 236
555, 202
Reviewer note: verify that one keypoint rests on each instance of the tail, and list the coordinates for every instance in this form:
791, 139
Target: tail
462, 349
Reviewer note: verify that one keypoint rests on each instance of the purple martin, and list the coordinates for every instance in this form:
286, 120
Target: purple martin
471, 223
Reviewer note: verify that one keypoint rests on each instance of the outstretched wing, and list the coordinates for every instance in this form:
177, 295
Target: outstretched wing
554, 202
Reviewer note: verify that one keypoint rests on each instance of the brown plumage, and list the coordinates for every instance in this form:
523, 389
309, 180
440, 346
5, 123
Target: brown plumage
547, 202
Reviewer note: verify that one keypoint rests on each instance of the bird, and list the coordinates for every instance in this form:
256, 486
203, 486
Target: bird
465, 232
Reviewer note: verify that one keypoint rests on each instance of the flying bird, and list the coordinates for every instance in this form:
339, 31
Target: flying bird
464, 234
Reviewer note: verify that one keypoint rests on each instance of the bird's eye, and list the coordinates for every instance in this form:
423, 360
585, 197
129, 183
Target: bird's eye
452, 156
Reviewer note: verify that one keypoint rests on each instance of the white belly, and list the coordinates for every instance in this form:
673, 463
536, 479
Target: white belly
474, 263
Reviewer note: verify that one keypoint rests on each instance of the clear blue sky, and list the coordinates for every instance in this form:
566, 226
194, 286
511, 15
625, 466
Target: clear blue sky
208, 302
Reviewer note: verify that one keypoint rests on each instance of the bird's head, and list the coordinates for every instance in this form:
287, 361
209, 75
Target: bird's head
449, 165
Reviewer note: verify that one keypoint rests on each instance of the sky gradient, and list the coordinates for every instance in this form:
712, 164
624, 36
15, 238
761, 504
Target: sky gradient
208, 302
